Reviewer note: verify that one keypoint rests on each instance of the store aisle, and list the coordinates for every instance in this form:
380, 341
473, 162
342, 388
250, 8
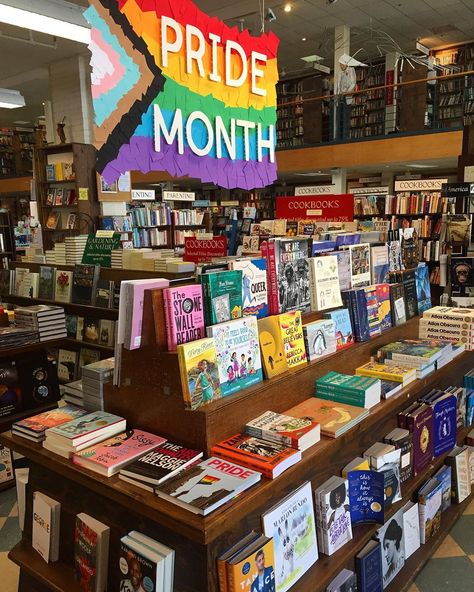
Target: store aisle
452, 566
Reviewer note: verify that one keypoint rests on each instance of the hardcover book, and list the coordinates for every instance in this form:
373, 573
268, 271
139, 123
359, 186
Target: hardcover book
252, 568
355, 301
345, 581
410, 294
107, 332
223, 296
444, 424
254, 285
199, 372
369, 568
71, 325
420, 424
67, 365
319, 338
271, 346
343, 269
91, 553
46, 283
360, 264
208, 485
394, 256
443, 476
63, 286
342, 326
397, 304
379, 264
84, 282
390, 536
184, 313
423, 287
284, 429
38, 424
238, 361
429, 508
324, 283
46, 526
103, 293
289, 275
366, 496
458, 460
139, 563
292, 336
334, 526
291, 524
411, 528
91, 330
53, 220
384, 308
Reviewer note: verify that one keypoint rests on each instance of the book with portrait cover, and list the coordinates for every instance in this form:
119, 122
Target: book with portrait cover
299, 433
254, 285
334, 527
390, 536
139, 564
91, 553
238, 359
291, 524
251, 569
208, 485
184, 314
199, 372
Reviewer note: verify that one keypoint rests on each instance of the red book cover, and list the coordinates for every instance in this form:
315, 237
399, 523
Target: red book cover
85, 556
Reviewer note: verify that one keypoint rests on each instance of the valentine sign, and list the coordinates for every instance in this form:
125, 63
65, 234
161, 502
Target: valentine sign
199, 250
326, 208
175, 90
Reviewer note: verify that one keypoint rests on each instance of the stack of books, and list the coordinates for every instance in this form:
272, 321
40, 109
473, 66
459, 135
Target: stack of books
401, 374
16, 337
424, 355
361, 391
116, 258
449, 323
75, 246
34, 428
73, 393
284, 429
94, 376
179, 266
48, 321
60, 253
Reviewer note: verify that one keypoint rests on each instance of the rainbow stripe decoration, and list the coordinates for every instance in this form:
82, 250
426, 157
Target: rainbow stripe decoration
178, 91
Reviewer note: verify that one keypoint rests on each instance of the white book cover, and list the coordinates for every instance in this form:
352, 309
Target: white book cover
411, 528
21, 478
390, 536
335, 515
324, 281
360, 264
320, 338
44, 537
291, 524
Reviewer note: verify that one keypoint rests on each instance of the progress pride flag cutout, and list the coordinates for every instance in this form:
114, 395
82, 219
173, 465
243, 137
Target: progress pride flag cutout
187, 94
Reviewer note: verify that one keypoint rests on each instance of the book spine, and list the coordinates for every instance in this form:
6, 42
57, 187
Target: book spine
336, 388
184, 378
273, 300
359, 306
312, 288
250, 463
169, 321
222, 575
271, 436
341, 398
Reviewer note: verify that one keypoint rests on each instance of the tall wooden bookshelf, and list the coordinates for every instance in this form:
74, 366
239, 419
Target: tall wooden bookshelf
368, 108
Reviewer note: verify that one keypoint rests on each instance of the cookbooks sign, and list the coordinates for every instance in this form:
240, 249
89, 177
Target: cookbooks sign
420, 185
327, 208
178, 91
198, 250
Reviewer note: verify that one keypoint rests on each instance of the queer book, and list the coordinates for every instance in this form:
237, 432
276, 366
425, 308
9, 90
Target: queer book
252, 568
342, 327
222, 293
334, 527
269, 458
238, 360
208, 485
199, 372
324, 283
184, 313
292, 526
319, 338
254, 285
109, 456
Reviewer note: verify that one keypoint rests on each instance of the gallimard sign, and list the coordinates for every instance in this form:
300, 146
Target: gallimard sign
315, 190
420, 185
328, 208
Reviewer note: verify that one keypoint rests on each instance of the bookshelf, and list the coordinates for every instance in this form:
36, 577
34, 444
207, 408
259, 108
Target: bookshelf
199, 540
368, 108
75, 215
16, 152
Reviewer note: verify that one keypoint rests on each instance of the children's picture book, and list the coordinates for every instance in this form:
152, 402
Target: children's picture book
238, 357
199, 372
343, 328
271, 346
223, 296
360, 264
184, 314
319, 338
292, 526
324, 283
390, 536
366, 496
254, 285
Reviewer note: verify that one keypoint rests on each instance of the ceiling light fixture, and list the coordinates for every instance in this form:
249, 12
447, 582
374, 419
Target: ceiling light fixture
287, 7
60, 19
11, 99
303, 38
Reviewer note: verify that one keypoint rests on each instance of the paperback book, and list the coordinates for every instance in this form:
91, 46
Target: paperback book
342, 326
319, 338
254, 285
184, 313
390, 536
91, 553
334, 527
299, 433
222, 293
324, 283
366, 496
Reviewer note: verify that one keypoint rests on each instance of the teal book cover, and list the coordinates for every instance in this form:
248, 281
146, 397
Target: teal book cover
345, 381
238, 357
224, 292
86, 424
343, 327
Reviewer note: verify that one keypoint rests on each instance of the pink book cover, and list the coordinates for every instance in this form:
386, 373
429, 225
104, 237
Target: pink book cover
137, 310
184, 314
111, 454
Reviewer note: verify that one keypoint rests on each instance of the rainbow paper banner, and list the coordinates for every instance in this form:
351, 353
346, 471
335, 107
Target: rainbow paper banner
178, 91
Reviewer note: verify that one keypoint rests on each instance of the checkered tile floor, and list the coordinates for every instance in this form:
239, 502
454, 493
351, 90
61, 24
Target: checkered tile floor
450, 568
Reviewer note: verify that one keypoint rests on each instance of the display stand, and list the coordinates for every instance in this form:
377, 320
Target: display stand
151, 399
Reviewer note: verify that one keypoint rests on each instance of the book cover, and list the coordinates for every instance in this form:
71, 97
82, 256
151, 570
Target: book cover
411, 528
343, 269
184, 314
223, 291
207, 485
366, 496
429, 507
50, 419
397, 304
410, 294
162, 463
199, 372
320, 338
11, 399
63, 286
324, 283
110, 455
335, 517
53, 220
360, 264
394, 256
71, 325
42, 525
458, 460
46, 283
7, 472
271, 346
392, 483
254, 285
67, 365
345, 581
379, 264
343, 327
91, 330
84, 281
444, 425
369, 568
291, 525
103, 293
390, 536
293, 340
372, 311
443, 476
135, 295
400, 373
238, 360
284, 429
88, 356
420, 424
356, 303
38, 380
384, 308
91, 550
423, 287
292, 274
136, 568
107, 332
84, 425
253, 569
269, 458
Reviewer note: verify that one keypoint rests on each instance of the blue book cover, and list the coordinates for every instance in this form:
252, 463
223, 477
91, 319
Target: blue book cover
343, 327
347, 239
366, 496
107, 223
445, 425
385, 310
254, 286
318, 247
443, 476
369, 568
423, 288
357, 301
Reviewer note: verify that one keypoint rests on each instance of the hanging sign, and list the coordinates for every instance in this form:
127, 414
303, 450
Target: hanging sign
178, 195
176, 90
143, 195
98, 250
420, 185
327, 208
199, 250
315, 190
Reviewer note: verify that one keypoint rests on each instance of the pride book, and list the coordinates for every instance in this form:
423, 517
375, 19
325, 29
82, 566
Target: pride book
109, 456
199, 372
299, 433
208, 485
184, 314
269, 458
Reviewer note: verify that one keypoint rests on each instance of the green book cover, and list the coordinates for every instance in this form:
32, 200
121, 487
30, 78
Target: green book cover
46, 283
341, 398
356, 384
224, 296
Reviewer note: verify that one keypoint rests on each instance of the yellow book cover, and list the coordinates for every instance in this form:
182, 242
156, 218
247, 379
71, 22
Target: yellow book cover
271, 346
395, 373
291, 328
59, 171
199, 372
253, 569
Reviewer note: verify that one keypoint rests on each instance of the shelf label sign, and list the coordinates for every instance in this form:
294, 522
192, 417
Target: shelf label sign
315, 190
98, 250
420, 184
327, 208
176, 90
143, 195
199, 250
178, 195
369, 190
457, 189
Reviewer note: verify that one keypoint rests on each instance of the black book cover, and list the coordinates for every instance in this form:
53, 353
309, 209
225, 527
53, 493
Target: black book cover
38, 378
84, 281
397, 304
103, 293
409, 288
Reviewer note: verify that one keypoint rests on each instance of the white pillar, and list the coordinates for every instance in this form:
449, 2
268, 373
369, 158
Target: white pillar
339, 180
